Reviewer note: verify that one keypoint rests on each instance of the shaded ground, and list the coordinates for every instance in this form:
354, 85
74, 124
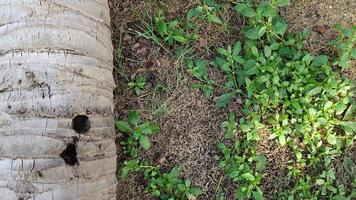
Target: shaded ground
190, 124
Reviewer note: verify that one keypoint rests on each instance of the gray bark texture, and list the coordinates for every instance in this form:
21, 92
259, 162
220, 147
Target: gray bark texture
56, 101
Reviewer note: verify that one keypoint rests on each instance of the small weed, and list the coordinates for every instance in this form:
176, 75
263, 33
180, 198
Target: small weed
345, 44
243, 166
137, 84
172, 31
137, 134
208, 11
167, 186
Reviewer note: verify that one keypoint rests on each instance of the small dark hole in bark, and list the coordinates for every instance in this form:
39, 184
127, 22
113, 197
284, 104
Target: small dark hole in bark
81, 124
39, 174
69, 155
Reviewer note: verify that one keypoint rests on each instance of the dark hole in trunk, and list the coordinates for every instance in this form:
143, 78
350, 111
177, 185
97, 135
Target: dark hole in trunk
69, 155
81, 124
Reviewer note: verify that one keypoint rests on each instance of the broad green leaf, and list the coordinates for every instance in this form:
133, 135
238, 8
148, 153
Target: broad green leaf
174, 173
319, 181
299, 155
209, 3
173, 24
237, 48
145, 142
179, 38
349, 127
349, 166
222, 51
134, 152
262, 31
194, 12
229, 133
261, 162
221, 62
133, 118
281, 3
312, 112
245, 10
254, 51
328, 105
221, 146
350, 112
320, 60
223, 100
187, 183
266, 10
239, 60
190, 13
162, 28
239, 194
353, 54
279, 26
331, 139
129, 166
232, 117
233, 174
257, 195
136, 134
254, 33
195, 191
180, 187
123, 127
267, 51
250, 67
194, 36
250, 87
151, 129
282, 139
340, 107
315, 91
248, 176
214, 19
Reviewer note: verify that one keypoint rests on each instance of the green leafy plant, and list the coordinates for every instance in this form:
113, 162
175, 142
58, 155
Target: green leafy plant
350, 167
345, 44
137, 134
207, 11
231, 126
293, 95
167, 186
137, 84
199, 70
171, 32
244, 167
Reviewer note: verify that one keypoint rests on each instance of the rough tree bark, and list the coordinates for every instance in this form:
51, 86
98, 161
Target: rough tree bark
56, 107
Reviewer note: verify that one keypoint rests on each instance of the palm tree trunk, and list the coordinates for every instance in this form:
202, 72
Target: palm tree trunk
56, 100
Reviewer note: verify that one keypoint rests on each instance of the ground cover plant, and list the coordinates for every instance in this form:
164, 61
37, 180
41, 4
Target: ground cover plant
278, 118
296, 96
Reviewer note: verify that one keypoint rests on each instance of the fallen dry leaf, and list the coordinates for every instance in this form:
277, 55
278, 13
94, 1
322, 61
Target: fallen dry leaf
191, 197
321, 29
